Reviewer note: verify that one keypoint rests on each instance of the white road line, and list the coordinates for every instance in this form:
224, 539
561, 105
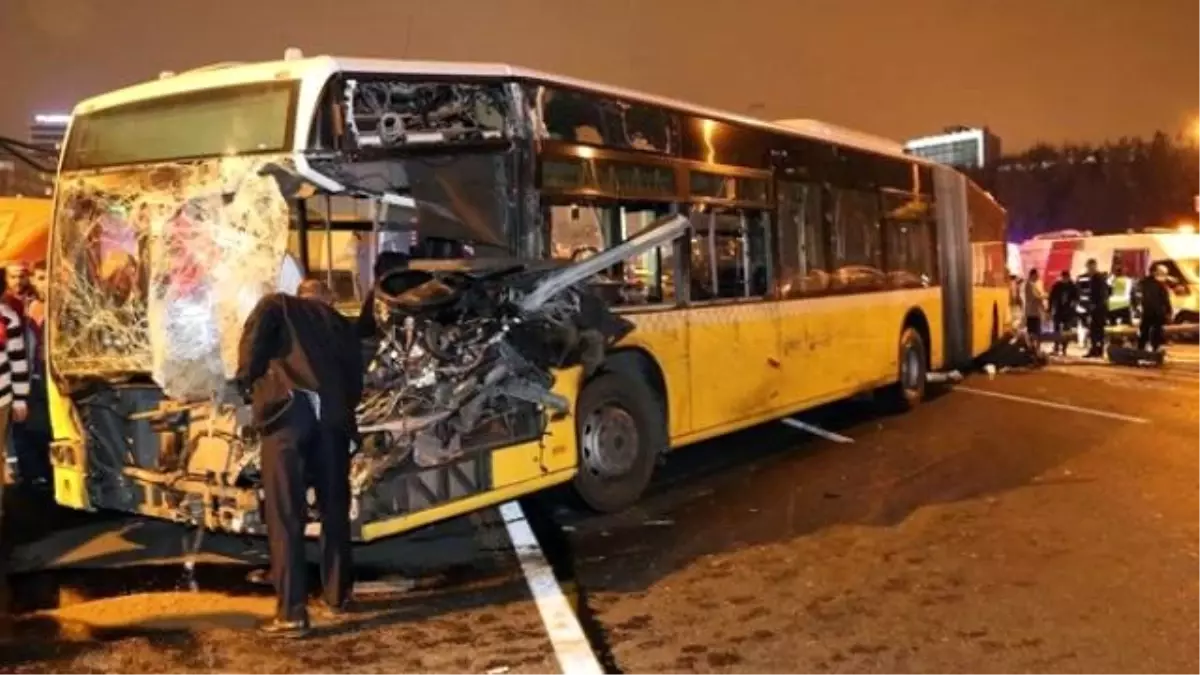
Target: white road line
816, 431
1056, 406
571, 646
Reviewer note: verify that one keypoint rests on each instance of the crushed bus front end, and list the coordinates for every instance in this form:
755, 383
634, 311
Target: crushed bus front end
469, 390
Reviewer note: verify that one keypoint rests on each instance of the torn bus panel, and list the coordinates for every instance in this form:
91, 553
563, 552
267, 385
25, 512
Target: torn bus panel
384, 112
156, 268
585, 117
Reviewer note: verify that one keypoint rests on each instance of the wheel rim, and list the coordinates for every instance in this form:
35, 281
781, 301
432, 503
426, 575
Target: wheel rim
609, 441
911, 370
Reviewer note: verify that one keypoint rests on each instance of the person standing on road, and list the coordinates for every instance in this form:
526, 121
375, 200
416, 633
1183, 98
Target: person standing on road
1120, 301
34, 469
1034, 299
300, 367
14, 388
1156, 309
32, 435
1097, 292
1064, 296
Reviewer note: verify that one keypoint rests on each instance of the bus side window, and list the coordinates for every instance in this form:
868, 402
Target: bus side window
909, 240
802, 235
650, 277
731, 254
332, 256
702, 270
580, 230
857, 250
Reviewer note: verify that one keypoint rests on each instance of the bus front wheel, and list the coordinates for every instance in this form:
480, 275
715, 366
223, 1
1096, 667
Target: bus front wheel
909, 389
620, 432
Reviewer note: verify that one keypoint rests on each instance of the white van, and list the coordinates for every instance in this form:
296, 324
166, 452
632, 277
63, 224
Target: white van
1179, 252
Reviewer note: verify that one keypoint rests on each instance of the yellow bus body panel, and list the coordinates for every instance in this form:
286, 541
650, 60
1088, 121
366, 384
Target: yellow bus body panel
70, 482
731, 365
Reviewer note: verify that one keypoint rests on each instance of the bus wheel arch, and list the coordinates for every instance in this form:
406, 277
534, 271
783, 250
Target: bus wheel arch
914, 355
916, 319
620, 433
637, 363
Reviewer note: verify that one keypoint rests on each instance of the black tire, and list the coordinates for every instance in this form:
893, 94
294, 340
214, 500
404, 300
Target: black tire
909, 389
612, 477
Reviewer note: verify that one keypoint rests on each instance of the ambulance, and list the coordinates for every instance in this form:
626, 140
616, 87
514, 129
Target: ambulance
1176, 249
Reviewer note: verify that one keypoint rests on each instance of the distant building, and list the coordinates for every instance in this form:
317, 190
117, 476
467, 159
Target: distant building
48, 130
18, 179
964, 147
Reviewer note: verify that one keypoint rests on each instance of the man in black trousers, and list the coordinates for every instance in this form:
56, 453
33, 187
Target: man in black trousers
300, 367
1098, 292
5, 617
1156, 309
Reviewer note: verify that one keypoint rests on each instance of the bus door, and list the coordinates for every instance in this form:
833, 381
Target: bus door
733, 323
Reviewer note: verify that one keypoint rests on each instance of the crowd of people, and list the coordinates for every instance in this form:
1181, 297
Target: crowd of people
24, 413
1098, 300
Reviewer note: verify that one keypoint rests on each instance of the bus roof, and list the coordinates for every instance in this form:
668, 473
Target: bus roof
321, 67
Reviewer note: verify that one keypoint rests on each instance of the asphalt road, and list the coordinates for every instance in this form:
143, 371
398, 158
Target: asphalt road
981, 532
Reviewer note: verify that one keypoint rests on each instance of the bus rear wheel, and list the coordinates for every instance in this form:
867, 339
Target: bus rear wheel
909, 389
620, 432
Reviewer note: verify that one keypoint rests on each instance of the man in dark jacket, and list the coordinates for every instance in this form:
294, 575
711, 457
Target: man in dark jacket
300, 366
1156, 309
1097, 292
1064, 295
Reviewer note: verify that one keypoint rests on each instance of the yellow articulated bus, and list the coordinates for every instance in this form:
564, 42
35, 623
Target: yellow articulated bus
759, 269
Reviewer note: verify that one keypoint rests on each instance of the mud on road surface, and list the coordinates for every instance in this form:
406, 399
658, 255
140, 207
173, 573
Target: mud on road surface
464, 607
1043, 521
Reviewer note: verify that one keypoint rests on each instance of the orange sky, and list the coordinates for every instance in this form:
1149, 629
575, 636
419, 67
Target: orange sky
1032, 69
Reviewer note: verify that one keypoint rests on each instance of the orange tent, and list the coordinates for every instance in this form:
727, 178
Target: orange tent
24, 229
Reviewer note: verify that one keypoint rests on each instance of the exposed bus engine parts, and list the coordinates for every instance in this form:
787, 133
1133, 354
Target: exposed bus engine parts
463, 350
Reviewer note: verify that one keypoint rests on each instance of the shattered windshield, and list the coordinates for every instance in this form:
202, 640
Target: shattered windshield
152, 267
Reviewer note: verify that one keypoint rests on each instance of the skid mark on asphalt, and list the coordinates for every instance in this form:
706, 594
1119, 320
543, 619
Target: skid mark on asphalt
571, 646
816, 430
1055, 405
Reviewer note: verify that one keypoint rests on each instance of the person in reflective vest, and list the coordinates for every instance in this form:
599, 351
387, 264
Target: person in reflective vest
1120, 301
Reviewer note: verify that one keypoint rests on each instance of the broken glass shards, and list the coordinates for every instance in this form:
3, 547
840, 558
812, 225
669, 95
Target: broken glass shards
211, 261
386, 112
599, 119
